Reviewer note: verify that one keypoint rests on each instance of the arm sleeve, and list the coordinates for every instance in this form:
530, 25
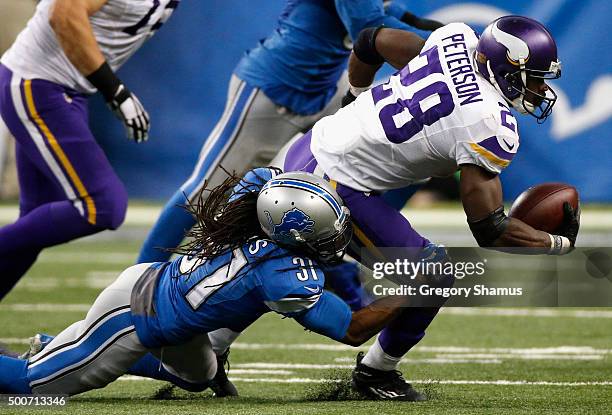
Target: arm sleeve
359, 14
330, 316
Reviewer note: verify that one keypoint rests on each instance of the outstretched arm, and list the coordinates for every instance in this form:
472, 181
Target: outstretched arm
331, 317
481, 195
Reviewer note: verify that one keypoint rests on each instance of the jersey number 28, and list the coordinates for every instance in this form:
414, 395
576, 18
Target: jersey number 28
425, 105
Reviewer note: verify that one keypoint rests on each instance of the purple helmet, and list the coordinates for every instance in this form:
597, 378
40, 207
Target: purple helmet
510, 49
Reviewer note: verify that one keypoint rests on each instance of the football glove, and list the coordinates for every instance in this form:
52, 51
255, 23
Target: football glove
397, 10
127, 107
122, 102
420, 22
571, 223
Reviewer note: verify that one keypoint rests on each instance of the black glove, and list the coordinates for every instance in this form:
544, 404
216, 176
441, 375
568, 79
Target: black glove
347, 98
571, 223
420, 22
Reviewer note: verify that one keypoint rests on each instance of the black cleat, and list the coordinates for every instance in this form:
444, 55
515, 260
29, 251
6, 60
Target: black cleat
383, 384
220, 384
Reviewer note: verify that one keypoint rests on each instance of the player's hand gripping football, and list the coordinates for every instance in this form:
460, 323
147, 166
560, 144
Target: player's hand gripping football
571, 223
130, 111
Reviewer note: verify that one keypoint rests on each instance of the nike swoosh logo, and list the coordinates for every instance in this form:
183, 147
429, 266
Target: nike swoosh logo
510, 147
313, 290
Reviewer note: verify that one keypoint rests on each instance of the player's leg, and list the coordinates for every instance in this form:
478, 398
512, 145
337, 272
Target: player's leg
221, 340
81, 195
87, 355
379, 225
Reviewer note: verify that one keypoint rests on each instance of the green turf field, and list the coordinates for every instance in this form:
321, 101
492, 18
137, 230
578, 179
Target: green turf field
471, 362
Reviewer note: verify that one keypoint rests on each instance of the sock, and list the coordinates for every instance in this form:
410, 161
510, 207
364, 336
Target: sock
14, 375
168, 231
376, 358
222, 339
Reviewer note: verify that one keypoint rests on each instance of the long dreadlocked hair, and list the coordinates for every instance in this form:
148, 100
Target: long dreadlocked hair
220, 224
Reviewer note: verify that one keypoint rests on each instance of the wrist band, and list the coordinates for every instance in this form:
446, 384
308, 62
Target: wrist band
559, 245
105, 81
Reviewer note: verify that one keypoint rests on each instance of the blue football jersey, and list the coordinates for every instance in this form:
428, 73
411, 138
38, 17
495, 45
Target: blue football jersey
300, 63
192, 296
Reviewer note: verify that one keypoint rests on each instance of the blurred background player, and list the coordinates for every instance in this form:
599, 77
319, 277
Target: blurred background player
68, 189
446, 109
15, 14
249, 259
291, 79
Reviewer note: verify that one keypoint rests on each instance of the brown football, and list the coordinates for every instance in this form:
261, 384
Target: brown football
541, 206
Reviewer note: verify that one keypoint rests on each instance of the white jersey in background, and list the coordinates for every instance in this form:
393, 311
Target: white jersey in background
120, 28
430, 117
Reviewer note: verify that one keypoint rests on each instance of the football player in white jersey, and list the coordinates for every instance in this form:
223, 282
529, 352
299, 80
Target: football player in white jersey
69, 49
447, 109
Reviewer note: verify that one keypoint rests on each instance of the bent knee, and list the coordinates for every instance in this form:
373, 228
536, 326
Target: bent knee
111, 206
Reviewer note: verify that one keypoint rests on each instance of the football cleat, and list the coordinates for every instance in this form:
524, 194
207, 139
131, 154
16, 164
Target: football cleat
220, 384
37, 343
383, 384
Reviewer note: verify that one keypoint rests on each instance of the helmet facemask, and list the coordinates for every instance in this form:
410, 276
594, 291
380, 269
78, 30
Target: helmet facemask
331, 250
517, 82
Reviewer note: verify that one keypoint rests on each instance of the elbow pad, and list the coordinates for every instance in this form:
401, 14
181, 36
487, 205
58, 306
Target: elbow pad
365, 46
488, 229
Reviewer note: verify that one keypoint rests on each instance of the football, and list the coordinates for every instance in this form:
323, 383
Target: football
541, 206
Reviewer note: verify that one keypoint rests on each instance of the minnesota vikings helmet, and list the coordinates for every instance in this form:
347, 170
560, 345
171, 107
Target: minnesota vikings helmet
513, 49
304, 211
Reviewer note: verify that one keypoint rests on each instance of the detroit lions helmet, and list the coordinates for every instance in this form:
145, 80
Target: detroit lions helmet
513, 48
304, 211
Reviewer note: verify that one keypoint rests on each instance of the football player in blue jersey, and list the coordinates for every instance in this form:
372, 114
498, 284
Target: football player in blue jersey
256, 252
279, 89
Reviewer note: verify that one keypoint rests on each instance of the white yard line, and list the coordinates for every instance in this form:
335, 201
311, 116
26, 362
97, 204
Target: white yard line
437, 217
463, 311
526, 312
93, 279
501, 382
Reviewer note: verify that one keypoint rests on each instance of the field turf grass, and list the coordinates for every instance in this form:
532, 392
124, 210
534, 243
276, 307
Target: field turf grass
512, 349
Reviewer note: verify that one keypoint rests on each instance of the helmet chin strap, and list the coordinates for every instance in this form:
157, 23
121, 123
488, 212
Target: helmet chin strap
496, 85
518, 103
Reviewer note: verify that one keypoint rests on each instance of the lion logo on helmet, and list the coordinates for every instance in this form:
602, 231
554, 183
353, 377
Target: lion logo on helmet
293, 221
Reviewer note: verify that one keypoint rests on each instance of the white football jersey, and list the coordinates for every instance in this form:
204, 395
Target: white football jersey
430, 117
120, 28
